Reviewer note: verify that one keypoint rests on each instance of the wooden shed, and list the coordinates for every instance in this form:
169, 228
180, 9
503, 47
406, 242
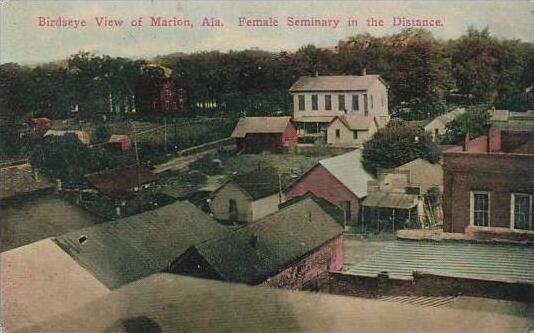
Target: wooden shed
257, 134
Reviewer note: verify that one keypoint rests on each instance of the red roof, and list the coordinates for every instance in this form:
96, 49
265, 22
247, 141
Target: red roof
119, 183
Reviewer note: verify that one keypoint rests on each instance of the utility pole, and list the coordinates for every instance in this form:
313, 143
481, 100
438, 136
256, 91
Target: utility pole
136, 155
165, 133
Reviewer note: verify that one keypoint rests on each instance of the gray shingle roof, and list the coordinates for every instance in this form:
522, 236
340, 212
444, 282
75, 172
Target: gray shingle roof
348, 169
455, 259
282, 238
260, 125
129, 249
20, 179
334, 83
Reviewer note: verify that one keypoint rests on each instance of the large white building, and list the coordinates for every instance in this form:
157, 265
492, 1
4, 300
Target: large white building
317, 100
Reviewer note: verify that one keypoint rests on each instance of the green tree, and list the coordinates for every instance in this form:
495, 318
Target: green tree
476, 121
396, 144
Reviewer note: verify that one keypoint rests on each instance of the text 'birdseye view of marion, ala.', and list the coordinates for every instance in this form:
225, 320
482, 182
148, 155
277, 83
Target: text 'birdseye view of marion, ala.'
265, 166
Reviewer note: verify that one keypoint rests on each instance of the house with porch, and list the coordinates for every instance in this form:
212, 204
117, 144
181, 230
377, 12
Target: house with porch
317, 100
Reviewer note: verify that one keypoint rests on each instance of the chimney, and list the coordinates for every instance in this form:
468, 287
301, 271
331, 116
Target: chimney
316, 73
364, 71
466, 142
494, 140
253, 240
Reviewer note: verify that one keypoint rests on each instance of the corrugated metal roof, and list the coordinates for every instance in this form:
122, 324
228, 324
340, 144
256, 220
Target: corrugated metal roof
334, 83
348, 169
390, 200
131, 248
495, 262
260, 125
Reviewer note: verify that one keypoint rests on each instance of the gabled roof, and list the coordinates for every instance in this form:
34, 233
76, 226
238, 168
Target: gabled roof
174, 303
83, 136
281, 239
258, 184
250, 125
131, 248
357, 122
444, 119
348, 169
423, 172
118, 138
117, 183
334, 211
335, 83
40, 281
21, 179
391, 200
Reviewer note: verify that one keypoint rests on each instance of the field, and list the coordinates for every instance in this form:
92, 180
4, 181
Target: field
228, 163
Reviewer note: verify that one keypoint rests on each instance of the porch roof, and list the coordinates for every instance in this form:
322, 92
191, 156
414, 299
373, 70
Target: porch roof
390, 200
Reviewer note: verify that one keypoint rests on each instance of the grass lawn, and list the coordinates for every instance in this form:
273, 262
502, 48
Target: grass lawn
291, 164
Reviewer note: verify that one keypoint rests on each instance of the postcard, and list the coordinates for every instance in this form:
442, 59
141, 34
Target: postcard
266, 166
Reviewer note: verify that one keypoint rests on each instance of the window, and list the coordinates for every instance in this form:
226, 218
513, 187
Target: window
480, 209
372, 105
315, 102
338, 134
355, 103
232, 209
302, 103
328, 102
521, 211
341, 102
365, 106
355, 134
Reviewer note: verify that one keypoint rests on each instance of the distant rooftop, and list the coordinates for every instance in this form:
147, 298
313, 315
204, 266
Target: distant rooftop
251, 125
21, 179
119, 182
335, 83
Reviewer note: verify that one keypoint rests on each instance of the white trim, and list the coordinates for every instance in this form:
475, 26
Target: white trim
472, 206
512, 211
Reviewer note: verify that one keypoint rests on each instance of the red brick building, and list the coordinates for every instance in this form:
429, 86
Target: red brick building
119, 142
257, 134
487, 188
158, 93
293, 248
341, 180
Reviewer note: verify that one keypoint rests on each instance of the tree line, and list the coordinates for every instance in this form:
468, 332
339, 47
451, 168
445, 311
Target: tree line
425, 75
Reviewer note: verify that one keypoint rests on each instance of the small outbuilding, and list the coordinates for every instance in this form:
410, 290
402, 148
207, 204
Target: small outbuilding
119, 142
247, 197
257, 134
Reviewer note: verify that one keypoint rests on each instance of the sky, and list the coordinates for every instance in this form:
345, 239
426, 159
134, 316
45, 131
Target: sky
22, 40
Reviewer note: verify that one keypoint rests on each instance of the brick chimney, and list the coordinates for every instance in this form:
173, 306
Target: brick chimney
494, 140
